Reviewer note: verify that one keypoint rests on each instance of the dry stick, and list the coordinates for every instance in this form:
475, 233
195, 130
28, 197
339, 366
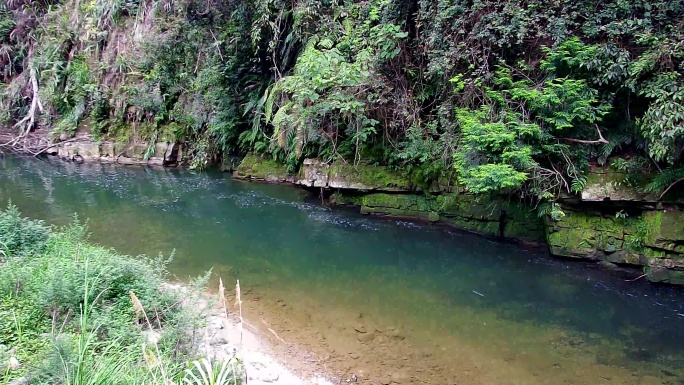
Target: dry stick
239, 303
218, 46
669, 187
341, 378
600, 140
222, 297
639, 277
61, 329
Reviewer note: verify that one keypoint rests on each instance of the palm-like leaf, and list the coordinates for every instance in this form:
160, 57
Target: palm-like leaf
204, 372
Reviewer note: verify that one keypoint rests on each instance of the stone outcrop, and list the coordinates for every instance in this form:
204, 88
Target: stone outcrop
653, 239
163, 154
315, 173
257, 168
622, 223
380, 191
606, 184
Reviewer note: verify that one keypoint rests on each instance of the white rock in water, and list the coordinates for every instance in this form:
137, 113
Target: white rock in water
14, 363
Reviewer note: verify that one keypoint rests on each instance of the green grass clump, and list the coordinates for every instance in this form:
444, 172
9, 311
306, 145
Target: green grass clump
20, 236
73, 313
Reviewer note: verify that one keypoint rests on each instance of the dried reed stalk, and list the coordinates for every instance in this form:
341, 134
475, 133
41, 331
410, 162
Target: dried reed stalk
238, 301
151, 359
222, 298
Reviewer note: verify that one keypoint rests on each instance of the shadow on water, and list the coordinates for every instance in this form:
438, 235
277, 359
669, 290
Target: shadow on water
443, 283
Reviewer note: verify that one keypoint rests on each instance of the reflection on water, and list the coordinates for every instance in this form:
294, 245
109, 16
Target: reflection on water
447, 289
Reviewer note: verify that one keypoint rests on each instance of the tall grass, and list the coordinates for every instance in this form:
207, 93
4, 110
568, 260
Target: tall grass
81, 314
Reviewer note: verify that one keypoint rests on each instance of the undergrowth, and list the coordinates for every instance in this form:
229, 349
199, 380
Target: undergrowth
73, 313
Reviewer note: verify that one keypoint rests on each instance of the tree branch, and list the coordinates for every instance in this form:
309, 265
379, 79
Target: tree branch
669, 187
601, 139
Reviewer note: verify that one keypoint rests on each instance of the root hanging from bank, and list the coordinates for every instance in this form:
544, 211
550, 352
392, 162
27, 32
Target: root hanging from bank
29, 121
22, 141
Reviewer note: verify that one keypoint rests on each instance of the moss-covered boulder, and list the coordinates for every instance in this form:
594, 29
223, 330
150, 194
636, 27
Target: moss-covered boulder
261, 168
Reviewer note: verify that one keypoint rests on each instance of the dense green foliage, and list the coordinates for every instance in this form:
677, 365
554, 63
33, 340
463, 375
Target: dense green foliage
67, 315
507, 96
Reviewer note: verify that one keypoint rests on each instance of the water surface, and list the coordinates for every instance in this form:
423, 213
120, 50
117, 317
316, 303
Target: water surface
382, 298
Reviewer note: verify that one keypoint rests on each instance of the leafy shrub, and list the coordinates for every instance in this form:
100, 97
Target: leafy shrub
19, 236
75, 312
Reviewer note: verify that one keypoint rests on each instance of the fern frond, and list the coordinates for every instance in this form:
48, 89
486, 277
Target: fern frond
615, 141
665, 179
578, 184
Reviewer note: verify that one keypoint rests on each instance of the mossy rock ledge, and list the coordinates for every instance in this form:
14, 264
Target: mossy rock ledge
317, 174
264, 169
653, 239
380, 191
487, 216
161, 154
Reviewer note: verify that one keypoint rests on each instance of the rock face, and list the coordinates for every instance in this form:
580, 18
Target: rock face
162, 154
493, 217
607, 184
623, 224
654, 239
315, 173
380, 191
254, 167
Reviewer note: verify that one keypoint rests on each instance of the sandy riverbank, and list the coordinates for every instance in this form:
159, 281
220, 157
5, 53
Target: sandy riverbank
225, 336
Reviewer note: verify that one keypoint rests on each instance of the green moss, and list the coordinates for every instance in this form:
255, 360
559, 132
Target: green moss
400, 201
261, 168
462, 211
653, 220
372, 176
638, 240
340, 198
476, 226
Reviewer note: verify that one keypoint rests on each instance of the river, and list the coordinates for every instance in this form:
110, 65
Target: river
390, 301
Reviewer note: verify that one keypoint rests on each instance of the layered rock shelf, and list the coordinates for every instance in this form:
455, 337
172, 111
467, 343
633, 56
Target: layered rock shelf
161, 154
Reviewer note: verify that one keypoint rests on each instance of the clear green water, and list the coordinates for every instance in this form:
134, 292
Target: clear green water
455, 297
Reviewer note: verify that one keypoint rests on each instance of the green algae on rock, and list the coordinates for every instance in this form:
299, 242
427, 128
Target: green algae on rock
493, 217
654, 239
259, 168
